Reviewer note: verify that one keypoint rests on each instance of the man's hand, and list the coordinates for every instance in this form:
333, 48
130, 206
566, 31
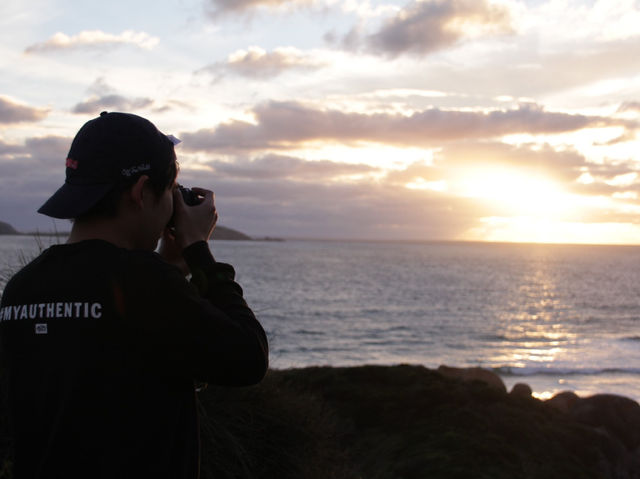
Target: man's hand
171, 252
190, 225
194, 223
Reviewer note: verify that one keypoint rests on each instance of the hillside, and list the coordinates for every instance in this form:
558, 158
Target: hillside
220, 232
223, 233
7, 229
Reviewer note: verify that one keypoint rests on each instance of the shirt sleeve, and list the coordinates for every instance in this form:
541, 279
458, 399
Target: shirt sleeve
203, 328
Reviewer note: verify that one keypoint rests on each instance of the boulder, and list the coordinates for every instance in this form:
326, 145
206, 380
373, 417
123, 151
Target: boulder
618, 415
521, 390
474, 374
563, 401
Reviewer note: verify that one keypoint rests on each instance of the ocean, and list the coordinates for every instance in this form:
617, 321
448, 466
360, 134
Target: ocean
557, 317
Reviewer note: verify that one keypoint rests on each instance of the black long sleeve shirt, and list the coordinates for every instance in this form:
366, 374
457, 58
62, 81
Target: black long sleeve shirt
102, 346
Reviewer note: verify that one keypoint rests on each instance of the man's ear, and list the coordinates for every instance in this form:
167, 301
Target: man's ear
137, 193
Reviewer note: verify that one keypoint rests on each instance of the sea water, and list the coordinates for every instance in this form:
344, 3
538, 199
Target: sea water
558, 317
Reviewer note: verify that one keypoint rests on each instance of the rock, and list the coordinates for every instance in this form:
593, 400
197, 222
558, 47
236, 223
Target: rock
563, 401
618, 415
521, 390
474, 374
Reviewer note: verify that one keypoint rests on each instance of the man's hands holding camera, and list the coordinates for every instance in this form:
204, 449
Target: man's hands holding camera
194, 218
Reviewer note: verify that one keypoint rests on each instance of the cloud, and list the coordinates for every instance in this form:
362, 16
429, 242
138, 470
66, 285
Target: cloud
629, 106
95, 104
565, 165
423, 27
285, 196
283, 124
610, 178
321, 209
259, 64
521, 71
287, 167
93, 39
12, 112
31, 172
103, 97
47, 150
8, 149
221, 7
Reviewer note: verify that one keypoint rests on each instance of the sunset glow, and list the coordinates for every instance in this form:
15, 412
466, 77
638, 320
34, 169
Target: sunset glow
471, 120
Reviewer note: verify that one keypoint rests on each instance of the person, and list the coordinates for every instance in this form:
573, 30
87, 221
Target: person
102, 337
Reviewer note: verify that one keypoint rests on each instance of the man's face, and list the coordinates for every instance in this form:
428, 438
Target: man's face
156, 216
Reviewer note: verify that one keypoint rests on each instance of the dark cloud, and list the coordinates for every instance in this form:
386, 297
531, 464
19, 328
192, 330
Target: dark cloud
286, 167
12, 112
283, 124
423, 27
604, 176
95, 105
257, 63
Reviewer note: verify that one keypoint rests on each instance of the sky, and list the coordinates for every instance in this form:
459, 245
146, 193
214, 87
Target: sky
358, 119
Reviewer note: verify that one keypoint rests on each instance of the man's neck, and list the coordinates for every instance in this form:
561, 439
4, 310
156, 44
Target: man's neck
106, 229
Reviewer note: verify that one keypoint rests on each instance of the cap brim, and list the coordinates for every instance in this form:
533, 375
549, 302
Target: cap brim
71, 201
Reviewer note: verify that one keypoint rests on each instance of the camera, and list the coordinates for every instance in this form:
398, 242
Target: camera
189, 196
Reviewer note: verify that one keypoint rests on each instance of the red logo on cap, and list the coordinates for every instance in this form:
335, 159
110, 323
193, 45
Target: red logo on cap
72, 164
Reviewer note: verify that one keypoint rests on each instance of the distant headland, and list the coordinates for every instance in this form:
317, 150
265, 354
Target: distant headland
7, 229
220, 233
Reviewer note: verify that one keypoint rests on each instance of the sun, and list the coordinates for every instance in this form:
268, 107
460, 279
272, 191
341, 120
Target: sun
517, 193
521, 206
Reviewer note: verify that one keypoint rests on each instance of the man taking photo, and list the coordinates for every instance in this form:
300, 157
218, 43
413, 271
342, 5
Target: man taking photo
102, 338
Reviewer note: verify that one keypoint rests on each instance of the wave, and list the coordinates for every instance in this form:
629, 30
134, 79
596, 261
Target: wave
540, 371
309, 332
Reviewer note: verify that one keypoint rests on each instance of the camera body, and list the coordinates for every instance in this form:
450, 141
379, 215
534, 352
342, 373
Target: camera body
189, 196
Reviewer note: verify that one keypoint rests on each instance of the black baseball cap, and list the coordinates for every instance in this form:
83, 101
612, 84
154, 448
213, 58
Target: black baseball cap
109, 151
